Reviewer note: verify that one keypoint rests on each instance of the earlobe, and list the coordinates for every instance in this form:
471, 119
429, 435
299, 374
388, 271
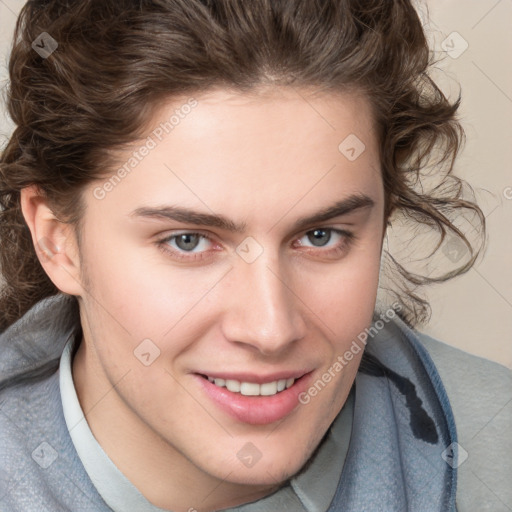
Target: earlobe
53, 240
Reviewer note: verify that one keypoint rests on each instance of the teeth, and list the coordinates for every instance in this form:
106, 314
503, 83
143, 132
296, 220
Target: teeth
268, 389
233, 385
249, 389
253, 389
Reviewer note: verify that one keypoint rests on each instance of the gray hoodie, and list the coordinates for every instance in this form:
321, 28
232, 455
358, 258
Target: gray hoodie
402, 451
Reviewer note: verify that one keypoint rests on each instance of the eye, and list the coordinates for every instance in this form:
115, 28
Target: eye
188, 241
188, 246
319, 237
322, 236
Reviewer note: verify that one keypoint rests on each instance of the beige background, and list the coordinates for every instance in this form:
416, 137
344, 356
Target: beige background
474, 311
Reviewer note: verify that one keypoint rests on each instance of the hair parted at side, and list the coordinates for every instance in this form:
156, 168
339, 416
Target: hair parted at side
117, 60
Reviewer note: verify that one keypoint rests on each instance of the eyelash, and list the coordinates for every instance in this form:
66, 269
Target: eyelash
348, 238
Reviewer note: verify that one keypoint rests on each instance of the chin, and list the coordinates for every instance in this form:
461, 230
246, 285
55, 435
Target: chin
267, 476
264, 472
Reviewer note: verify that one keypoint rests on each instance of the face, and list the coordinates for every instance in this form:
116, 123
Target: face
241, 247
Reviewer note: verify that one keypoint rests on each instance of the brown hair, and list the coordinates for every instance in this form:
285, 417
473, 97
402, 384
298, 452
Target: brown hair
116, 60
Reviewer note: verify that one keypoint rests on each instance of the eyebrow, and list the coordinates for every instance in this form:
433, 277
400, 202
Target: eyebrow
189, 216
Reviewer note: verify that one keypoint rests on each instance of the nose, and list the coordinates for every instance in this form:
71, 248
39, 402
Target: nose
264, 310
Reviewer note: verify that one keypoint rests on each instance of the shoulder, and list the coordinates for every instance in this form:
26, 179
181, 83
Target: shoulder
480, 394
478, 389
39, 467
26, 416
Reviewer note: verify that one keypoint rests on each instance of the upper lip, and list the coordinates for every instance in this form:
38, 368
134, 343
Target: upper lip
258, 379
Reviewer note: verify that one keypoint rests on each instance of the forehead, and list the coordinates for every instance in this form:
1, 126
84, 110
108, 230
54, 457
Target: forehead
272, 145
274, 114
265, 128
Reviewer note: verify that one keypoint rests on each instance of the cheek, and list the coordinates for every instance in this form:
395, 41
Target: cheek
134, 290
343, 295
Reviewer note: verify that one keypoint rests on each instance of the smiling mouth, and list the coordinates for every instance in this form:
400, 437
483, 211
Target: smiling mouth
252, 388
256, 403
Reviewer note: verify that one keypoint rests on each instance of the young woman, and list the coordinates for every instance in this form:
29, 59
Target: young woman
194, 206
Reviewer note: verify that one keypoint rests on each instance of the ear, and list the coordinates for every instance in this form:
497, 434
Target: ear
54, 241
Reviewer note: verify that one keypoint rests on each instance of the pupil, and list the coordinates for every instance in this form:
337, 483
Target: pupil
319, 237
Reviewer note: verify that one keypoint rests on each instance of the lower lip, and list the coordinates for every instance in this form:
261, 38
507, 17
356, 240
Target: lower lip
256, 410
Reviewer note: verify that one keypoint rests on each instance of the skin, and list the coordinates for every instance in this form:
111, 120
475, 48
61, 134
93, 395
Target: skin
265, 159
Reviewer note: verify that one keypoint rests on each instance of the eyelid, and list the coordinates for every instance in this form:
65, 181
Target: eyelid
176, 234
337, 231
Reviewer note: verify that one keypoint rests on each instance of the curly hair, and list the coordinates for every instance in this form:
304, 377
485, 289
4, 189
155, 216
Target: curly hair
117, 60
